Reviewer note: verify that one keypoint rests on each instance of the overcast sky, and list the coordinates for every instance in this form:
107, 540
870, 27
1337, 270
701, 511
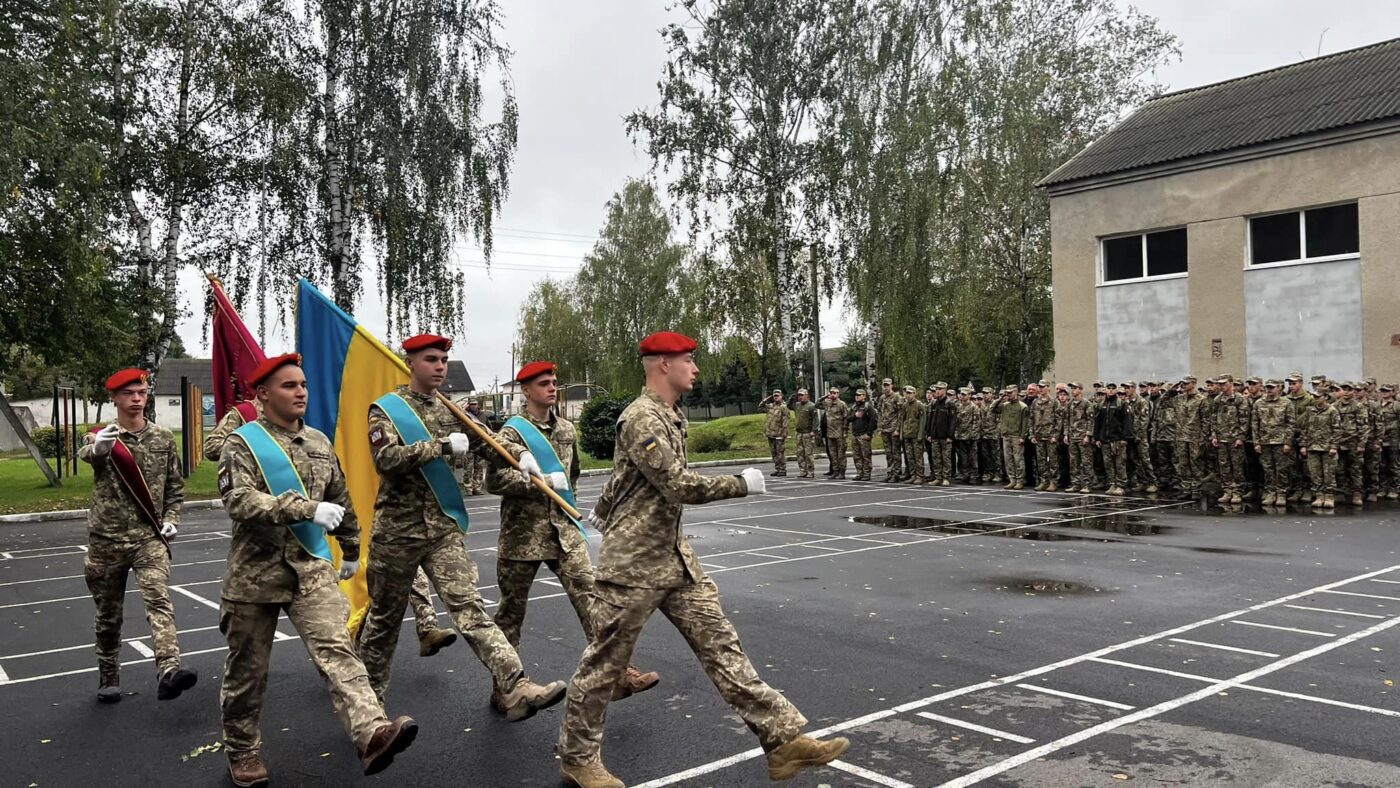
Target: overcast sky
580, 67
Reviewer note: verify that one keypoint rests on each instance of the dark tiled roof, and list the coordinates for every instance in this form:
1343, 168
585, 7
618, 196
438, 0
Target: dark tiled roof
1326, 93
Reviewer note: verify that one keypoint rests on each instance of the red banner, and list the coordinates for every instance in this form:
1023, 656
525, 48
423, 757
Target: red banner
129, 474
236, 353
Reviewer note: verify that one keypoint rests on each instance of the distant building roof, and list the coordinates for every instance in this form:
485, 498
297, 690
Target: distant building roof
200, 371
1356, 90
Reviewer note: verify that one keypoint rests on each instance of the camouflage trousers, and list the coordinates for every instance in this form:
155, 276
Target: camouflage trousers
1350, 479
894, 454
1188, 466
1140, 464
1047, 460
1372, 468
1165, 465
474, 473
319, 617
1229, 461
393, 562
1300, 475
1322, 469
967, 460
695, 611
940, 452
105, 568
1390, 469
861, 446
1277, 468
514, 579
778, 448
836, 454
420, 598
806, 452
990, 449
1013, 455
913, 459
1115, 463
1081, 464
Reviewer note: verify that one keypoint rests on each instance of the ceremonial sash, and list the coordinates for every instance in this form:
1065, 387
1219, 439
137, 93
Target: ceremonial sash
248, 411
439, 477
128, 473
280, 475
547, 458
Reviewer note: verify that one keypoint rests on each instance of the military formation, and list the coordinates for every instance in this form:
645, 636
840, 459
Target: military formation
284, 490
1273, 442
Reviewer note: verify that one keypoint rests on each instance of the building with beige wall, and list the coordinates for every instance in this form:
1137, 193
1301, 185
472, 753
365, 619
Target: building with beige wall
1248, 227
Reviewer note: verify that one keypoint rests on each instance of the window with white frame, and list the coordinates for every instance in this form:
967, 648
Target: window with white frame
1144, 255
1307, 236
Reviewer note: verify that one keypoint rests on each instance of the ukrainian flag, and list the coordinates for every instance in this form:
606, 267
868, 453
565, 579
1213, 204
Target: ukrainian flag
347, 369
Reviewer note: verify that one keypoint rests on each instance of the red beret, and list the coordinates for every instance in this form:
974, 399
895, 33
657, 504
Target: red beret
534, 369
126, 377
425, 341
665, 343
264, 370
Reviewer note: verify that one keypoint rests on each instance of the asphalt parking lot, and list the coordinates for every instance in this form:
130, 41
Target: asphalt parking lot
958, 635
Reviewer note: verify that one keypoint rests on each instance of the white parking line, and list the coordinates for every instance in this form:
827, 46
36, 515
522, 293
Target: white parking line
80, 577
1085, 698
1285, 629
1368, 596
136, 590
866, 774
1391, 582
4, 677
1226, 648
196, 597
1330, 610
1152, 669
141, 648
972, 726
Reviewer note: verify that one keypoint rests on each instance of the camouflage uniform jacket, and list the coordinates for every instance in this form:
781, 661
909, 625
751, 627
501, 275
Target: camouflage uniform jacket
643, 544
1191, 424
266, 563
987, 422
1079, 419
1320, 429
1164, 419
891, 412
1302, 407
1046, 424
1355, 427
1013, 419
1141, 410
113, 514
968, 425
1273, 423
215, 440
1230, 418
406, 506
533, 528
805, 417
1388, 423
915, 416
778, 418
837, 414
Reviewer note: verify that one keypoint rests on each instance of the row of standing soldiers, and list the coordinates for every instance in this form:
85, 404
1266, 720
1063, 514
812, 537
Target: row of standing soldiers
1271, 439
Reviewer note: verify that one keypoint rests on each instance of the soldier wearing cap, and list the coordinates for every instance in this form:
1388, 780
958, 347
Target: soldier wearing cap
1164, 438
863, 424
1013, 427
646, 565
989, 447
474, 467
965, 431
1273, 426
1047, 431
891, 415
1371, 467
938, 433
137, 493
1319, 433
1079, 433
838, 414
1253, 468
279, 561
911, 431
1299, 480
1352, 440
1388, 428
1229, 429
417, 523
1140, 446
805, 419
775, 428
1190, 438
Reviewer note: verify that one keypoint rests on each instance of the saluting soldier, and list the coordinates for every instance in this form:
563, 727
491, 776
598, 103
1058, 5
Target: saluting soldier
891, 417
775, 428
420, 521
283, 488
137, 493
1013, 426
646, 565
805, 418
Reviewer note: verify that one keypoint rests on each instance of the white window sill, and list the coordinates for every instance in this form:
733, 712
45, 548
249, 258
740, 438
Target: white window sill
1336, 258
1143, 279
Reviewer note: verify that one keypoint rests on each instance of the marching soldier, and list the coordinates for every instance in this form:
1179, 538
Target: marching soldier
1190, 437
837, 414
966, 428
863, 425
419, 521
776, 429
940, 426
284, 491
912, 432
805, 417
1229, 429
1273, 428
137, 493
535, 531
891, 414
1319, 434
646, 564
1013, 425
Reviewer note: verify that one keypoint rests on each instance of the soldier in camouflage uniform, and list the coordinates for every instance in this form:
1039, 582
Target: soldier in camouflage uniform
1164, 437
1352, 440
1190, 437
269, 572
535, 532
1113, 427
940, 423
989, 442
1079, 435
1013, 425
966, 429
473, 466
646, 564
891, 414
837, 414
775, 428
214, 441
805, 419
912, 434
121, 539
1300, 484
1319, 432
1273, 428
1372, 465
411, 530
1388, 430
1047, 430
1140, 449
1229, 429
863, 425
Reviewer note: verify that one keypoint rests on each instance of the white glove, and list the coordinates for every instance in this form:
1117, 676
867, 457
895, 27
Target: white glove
168, 530
461, 444
558, 480
597, 521
328, 515
102, 442
753, 477
348, 569
528, 466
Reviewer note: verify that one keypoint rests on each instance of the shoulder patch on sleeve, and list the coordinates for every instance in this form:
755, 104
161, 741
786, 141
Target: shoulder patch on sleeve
225, 481
649, 444
377, 437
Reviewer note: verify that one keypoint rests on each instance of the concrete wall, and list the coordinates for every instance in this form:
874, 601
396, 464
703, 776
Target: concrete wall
1305, 318
1142, 331
1212, 204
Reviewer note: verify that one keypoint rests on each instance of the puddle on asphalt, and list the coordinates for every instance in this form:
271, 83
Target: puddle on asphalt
1126, 525
1043, 585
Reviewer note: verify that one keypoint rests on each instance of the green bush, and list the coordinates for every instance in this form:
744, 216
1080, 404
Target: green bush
710, 442
597, 425
46, 437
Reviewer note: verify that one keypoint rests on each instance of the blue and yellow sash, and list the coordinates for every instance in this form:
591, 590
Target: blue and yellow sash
547, 458
440, 479
281, 476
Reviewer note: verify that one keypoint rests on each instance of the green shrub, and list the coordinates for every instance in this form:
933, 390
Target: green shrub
46, 437
710, 442
597, 425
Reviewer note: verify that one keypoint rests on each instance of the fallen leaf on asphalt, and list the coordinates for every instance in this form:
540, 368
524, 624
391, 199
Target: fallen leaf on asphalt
1389, 683
1120, 776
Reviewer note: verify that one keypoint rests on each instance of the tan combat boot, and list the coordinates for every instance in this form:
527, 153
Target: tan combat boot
1319, 502
527, 697
1151, 489
785, 762
593, 775
633, 682
391, 739
246, 769
435, 641
1236, 499
1329, 502
1356, 500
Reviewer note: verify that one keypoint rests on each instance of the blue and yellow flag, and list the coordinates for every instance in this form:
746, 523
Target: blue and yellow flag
347, 369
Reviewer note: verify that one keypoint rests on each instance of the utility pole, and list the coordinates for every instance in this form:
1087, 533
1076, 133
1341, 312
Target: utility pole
816, 326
